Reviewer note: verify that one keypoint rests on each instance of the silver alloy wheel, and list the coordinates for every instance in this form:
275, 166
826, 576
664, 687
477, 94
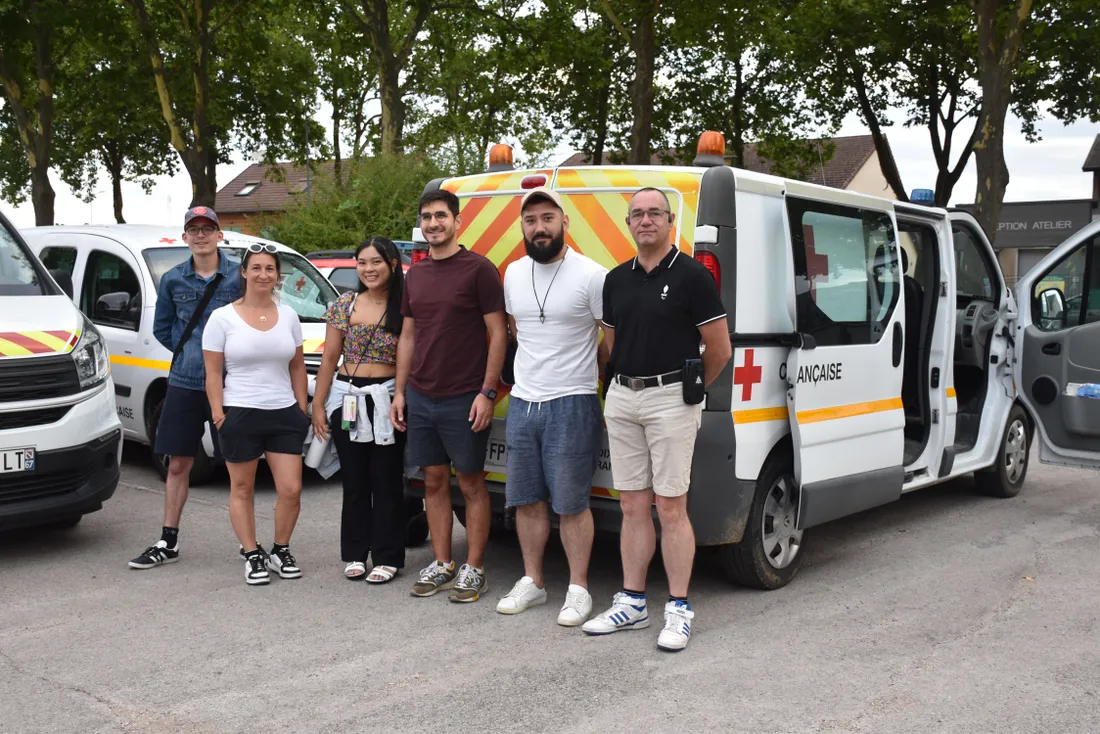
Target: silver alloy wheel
781, 539
1015, 456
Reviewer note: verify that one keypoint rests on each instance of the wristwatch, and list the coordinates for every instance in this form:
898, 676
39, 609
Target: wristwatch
491, 394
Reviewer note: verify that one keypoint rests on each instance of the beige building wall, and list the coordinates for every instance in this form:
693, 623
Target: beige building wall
869, 180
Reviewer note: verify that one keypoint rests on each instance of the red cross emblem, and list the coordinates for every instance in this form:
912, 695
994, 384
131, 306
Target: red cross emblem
748, 375
167, 240
817, 266
300, 283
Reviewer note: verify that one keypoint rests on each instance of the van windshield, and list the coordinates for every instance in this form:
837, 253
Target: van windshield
302, 287
20, 275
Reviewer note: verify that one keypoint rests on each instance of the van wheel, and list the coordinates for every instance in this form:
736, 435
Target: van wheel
416, 528
770, 553
1006, 477
202, 471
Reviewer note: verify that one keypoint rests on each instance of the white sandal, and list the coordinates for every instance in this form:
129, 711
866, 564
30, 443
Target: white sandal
355, 570
381, 574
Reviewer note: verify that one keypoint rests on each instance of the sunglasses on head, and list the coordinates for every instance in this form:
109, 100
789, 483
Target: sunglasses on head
257, 247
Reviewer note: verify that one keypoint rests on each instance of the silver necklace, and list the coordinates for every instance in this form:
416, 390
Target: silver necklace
546, 295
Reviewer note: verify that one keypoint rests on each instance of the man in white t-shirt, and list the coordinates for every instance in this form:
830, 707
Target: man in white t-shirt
554, 300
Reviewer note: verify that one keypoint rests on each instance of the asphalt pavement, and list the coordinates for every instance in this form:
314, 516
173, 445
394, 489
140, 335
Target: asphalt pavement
943, 612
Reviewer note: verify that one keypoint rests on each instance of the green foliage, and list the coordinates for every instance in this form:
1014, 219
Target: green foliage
379, 197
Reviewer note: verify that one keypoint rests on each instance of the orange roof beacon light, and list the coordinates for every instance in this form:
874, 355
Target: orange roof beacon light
500, 158
711, 150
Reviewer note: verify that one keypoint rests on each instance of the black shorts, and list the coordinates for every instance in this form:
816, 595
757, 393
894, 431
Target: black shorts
439, 432
183, 420
248, 433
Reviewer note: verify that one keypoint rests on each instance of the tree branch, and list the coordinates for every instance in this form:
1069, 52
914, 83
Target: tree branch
885, 156
616, 22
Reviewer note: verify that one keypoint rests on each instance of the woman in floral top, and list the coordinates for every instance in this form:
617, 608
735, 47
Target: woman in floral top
363, 328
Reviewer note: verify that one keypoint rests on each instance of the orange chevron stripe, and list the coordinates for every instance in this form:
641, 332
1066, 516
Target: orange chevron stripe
471, 207
504, 221
29, 345
597, 217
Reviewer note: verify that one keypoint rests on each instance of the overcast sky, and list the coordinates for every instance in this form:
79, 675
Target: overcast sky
1049, 169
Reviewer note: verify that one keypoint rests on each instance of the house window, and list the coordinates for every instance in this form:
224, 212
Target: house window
248, 188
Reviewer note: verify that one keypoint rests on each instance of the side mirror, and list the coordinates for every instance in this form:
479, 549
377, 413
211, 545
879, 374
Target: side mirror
112, 305
64, 280
1052, 309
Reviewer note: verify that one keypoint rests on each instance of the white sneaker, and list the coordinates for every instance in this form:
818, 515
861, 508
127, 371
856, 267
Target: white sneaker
522, 597
626, 613
674, 637
577, 607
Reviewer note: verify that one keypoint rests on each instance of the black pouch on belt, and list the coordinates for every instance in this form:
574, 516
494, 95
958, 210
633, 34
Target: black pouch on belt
694, 383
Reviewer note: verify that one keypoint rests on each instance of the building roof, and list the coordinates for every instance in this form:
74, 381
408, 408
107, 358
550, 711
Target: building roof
267, 194
1092, 160
850, 155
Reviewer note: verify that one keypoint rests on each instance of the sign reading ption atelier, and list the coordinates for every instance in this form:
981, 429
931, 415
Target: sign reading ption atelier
1039, 223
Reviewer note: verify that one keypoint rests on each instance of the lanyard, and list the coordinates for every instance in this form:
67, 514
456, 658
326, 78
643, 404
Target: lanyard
370, 337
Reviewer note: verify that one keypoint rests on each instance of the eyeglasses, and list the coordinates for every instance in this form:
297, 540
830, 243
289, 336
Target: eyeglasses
656, 215
200, 230
257, 247
439, 216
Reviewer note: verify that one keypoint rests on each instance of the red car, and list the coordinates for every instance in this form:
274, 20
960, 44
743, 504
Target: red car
339, 267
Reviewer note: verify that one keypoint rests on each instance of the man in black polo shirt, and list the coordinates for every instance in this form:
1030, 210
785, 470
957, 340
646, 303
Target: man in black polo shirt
657, 309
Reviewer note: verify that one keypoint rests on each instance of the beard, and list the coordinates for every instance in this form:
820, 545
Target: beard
545, 253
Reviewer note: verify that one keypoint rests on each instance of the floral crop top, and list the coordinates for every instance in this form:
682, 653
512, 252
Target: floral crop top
363, 343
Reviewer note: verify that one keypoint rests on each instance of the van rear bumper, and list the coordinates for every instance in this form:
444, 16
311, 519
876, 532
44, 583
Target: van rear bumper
718, 502
65, 483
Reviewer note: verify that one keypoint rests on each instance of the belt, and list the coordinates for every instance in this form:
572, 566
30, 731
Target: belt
640, 383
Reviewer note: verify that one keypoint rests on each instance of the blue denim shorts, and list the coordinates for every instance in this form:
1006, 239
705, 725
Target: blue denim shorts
553, 449
439, 432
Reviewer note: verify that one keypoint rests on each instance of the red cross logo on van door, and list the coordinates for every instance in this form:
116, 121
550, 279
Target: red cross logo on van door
817, 266
748, 375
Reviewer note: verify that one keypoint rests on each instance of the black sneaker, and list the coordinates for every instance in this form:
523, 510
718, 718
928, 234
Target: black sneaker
282, 562
255, 571
259, 547
156, 555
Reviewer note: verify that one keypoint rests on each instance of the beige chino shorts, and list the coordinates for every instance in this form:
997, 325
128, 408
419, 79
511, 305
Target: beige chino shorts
651, 434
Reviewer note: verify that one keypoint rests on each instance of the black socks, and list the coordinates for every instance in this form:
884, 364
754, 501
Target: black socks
170, 536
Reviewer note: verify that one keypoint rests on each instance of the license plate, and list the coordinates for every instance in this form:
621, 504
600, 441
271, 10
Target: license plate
13, 460
496, 455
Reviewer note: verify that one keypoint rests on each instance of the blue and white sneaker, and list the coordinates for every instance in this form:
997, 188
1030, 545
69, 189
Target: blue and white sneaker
674, 637
626, 613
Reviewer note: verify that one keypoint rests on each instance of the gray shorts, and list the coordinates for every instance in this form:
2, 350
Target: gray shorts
553, 449
439, 432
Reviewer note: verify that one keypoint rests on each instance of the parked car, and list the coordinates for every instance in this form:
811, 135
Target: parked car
116, 270
60, 436
339, 265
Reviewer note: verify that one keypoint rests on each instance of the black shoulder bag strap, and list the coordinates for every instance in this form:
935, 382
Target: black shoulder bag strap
197, 316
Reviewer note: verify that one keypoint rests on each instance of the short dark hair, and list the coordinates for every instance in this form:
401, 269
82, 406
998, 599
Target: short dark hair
650, 188
440, 195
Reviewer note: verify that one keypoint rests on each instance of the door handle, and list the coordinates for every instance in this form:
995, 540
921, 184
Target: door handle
1052, 348
898, 342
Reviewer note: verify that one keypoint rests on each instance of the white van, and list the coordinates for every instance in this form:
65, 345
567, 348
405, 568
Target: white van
116, 270
876, 346
60, 439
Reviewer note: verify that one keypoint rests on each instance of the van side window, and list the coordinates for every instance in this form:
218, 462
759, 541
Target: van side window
111, 295
846, 271
972, 276
1068, 294
59, 258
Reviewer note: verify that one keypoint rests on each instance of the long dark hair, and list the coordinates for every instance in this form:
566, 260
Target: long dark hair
390, 255
244, 266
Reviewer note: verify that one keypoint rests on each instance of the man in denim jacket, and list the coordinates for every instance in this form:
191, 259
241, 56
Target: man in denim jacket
186, 411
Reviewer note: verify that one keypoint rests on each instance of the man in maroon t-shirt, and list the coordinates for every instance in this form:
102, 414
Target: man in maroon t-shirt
446, 384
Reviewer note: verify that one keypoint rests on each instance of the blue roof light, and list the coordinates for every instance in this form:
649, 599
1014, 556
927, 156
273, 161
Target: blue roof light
923, 196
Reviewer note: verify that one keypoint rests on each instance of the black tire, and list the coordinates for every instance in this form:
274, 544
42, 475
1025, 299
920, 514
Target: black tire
498, 529
202, 471
746, 563
1006, 477
416, 528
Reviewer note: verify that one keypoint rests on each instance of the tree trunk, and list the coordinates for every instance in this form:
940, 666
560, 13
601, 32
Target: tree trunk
600, 132
393, 110
337, 163
42, 196
112, 157
886, 161
641, 89
737, 115
998, 54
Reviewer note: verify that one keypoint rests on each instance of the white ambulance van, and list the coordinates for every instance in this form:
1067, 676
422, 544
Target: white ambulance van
116, 270
877, 348
60, 439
